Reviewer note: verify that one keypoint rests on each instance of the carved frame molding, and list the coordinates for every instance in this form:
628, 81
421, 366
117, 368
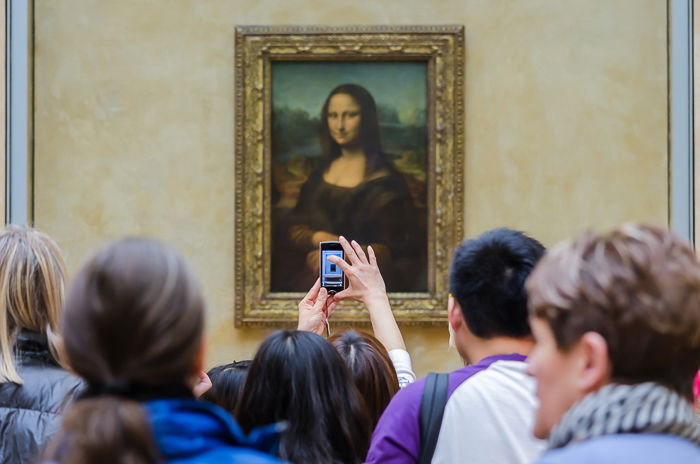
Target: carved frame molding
442, 47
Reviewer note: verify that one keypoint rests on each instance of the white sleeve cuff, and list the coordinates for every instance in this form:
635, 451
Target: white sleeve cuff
402, 364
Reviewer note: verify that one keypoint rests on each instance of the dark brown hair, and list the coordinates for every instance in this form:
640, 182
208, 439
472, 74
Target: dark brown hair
369, 129
370, 368
639, 287
298, 377
133, 316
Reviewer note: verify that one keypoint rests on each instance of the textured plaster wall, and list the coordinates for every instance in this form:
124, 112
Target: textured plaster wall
566, 116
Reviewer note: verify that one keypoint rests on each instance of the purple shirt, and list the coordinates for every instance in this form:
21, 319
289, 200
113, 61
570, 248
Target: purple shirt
396, 439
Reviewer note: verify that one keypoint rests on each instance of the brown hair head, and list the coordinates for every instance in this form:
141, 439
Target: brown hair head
32, 275
639, 287
133, 316
370, 367
135, 313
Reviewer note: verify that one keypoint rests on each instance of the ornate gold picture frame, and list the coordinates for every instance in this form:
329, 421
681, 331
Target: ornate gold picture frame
283, 75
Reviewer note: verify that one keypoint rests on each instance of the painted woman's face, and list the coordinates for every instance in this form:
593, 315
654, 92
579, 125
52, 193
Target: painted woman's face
344, 119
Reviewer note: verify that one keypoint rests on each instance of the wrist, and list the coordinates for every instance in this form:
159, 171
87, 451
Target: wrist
305, 326
377, 300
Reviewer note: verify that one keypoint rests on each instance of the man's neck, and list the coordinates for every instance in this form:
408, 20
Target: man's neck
485, 347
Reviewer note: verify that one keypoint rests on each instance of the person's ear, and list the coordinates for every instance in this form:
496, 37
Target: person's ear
454, 314
199, 357
595, 368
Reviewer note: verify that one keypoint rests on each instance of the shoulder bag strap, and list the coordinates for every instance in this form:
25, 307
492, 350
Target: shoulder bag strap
432, 407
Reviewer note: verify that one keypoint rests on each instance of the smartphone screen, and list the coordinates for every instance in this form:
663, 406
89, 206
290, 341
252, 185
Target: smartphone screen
332, 276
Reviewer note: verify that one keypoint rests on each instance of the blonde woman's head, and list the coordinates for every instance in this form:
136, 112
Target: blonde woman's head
32, 275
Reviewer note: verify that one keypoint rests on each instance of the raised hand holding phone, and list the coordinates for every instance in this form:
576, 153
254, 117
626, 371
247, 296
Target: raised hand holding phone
365, 284
364, 278
313, 310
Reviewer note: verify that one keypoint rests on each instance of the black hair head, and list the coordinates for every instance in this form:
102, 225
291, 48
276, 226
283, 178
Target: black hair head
299, 377
227, 384
487, 279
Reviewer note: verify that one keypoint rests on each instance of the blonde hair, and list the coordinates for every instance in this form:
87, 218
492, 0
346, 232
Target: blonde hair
32, 275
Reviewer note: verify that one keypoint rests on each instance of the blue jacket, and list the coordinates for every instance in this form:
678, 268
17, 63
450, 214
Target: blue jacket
643, 448
189, 431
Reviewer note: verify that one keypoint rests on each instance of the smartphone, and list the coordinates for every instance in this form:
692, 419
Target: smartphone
332, 276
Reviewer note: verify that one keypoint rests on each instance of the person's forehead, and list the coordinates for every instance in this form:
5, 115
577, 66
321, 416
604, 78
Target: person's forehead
343, 99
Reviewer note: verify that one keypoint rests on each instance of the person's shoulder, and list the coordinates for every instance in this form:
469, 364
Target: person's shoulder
500, 381
492, 365
493, 401
403, 411
229, 454
45, 388
188, 431
501, 386
385, 175
406, 402
383, 188
408, 398
396, 437
316, 175
643, 448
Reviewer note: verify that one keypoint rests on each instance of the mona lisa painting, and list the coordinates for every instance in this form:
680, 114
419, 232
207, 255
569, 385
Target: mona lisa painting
348, 158
353, 132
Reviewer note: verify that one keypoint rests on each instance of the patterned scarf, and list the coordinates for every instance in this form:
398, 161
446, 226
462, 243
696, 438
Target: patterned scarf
641, 408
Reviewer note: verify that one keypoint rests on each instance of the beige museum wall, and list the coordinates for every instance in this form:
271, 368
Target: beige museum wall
566, 116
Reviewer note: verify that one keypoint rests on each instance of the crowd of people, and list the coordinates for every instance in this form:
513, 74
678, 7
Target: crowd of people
586, 352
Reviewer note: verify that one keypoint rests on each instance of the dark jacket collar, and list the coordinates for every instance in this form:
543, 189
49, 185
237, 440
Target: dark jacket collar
32, 345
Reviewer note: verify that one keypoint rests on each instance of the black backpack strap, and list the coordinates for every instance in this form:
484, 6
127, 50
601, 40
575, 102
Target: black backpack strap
432, 407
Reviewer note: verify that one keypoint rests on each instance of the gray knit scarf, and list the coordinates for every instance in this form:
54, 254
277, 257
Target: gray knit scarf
641, 408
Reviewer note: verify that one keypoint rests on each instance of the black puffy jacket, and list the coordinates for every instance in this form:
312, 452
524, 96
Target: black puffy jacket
30, 413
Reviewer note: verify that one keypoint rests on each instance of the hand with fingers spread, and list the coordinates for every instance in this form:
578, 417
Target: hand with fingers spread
364, 279
313, 309
367, 285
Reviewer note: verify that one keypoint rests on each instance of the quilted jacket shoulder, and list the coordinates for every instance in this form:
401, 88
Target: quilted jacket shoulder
30, 413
